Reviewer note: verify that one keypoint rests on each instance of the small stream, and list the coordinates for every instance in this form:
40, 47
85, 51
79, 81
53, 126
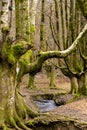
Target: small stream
45, 105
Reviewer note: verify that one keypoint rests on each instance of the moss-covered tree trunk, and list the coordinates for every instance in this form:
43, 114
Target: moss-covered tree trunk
82, 83
9, 113
52, 77
74, 85
32, 18
7, 95
82, 80
42, 26
31, 81
69, 21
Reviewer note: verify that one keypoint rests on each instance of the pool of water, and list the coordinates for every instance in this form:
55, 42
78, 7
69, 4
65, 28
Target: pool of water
45, 105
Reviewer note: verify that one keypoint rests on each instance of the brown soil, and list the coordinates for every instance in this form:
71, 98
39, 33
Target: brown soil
76, 110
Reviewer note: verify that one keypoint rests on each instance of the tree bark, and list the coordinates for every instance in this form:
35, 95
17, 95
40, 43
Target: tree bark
82, 83
10, 101
74, 85
42, 26
52, 77
31, 81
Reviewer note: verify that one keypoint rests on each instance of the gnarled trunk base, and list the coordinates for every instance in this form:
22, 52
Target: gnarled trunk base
82, 82
12, 107
74, 85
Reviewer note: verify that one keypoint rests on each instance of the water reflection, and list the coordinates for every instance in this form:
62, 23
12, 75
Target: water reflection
45, 105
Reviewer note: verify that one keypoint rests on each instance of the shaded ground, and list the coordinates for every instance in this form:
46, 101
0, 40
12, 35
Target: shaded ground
76, 110
42, 87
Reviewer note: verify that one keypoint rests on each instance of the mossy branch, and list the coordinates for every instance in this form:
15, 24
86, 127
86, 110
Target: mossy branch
13, 52
36, 66
20, 48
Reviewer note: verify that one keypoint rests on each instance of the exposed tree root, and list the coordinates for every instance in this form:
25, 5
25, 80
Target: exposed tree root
12, 123
19, 122
15, 122
22, 109
3, 127
31, 113
16, 113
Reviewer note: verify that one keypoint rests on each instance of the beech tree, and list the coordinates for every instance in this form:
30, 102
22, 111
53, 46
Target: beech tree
32, 19
45, 38
15, 46
69, 21
83, 7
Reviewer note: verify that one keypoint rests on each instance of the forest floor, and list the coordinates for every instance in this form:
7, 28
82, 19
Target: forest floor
75, 111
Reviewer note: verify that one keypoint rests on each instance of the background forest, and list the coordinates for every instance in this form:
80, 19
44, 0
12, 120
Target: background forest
57, 24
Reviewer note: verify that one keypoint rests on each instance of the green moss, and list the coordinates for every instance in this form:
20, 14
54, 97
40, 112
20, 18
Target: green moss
19, 48
21, 1
23, 62
11, 58
32, 29
26, 58
7, 51
5, 29
27, 32
79, 67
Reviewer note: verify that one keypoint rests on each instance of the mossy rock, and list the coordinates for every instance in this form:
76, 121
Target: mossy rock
64, 99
